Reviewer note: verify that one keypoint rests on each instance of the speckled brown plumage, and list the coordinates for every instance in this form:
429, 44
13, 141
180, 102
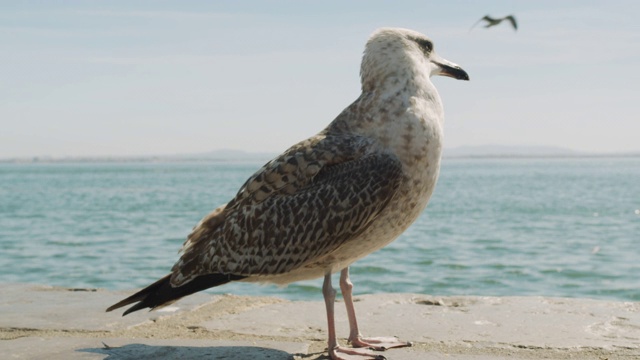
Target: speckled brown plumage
300, 206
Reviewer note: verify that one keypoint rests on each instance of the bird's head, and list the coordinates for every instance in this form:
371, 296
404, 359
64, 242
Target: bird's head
396, 52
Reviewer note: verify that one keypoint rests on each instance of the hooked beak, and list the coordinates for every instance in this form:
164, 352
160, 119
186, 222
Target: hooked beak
447, 68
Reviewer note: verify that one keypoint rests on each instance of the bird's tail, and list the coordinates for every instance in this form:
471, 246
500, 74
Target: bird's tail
161, 293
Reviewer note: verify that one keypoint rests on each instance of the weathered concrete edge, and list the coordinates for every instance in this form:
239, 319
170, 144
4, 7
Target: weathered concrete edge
259, 321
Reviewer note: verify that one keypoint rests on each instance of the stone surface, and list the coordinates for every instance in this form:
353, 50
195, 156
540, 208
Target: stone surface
47, 307
41, 322
520, 321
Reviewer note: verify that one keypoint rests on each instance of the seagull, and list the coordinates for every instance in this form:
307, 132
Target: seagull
495, 21
331, 199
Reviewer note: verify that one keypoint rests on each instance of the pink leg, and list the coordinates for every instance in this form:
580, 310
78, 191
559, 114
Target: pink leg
337, 352
356, 340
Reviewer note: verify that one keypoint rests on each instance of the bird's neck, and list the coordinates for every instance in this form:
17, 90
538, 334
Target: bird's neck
404, 96
403, 113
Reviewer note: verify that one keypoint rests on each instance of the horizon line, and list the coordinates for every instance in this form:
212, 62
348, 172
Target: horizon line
229, 155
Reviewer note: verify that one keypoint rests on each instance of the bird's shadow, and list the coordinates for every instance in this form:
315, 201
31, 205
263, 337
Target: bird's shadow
148, 352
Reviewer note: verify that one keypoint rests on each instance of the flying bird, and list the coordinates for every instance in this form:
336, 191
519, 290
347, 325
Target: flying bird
331, 199
495, 21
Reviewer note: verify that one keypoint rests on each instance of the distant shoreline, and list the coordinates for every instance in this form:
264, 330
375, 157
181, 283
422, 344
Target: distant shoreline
235, 156
132, 159
253, 158
542, 156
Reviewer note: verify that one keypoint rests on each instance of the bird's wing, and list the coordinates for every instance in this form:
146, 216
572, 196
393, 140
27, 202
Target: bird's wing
512, 19
485, 18
299, 207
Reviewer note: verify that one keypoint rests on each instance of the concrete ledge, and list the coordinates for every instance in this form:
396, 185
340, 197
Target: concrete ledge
41, 322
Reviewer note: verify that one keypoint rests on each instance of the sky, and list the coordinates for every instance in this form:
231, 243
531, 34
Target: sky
118, 78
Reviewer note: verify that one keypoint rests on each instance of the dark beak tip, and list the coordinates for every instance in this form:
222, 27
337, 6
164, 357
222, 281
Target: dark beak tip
460, 74
455, 72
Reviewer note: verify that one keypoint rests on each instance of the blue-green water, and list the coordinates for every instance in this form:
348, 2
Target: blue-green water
554, 227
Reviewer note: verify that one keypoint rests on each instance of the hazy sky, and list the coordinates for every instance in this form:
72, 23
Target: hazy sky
86, 78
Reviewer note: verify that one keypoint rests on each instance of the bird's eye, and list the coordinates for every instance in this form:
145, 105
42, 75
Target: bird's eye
425, 45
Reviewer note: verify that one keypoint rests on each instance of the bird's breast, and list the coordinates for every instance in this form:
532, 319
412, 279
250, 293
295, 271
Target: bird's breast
415, 138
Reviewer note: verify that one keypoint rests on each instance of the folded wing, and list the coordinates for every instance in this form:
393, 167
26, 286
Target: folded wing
298, 208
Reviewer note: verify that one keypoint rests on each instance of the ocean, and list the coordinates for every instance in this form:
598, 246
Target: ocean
567, 227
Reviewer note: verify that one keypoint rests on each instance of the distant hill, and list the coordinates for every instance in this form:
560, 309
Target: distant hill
226, 155
221, 155
510, 151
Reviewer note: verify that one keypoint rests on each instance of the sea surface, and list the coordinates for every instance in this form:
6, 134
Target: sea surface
566, 227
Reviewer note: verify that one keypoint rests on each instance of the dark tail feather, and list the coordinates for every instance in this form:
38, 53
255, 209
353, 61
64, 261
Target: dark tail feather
162, 293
